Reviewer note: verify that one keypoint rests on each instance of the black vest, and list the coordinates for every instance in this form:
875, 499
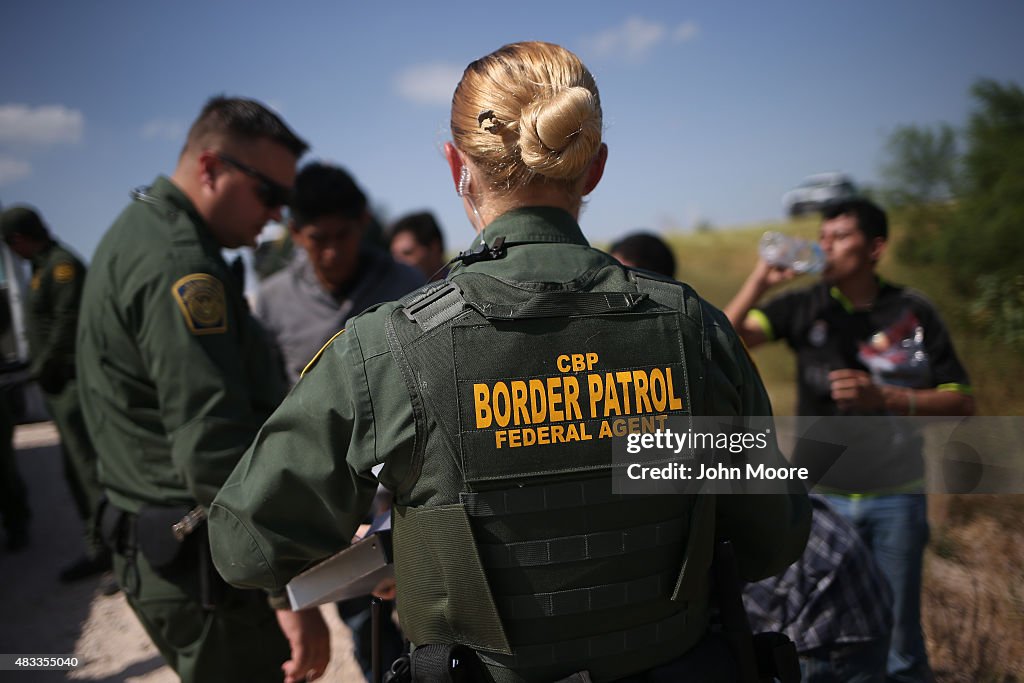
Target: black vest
507, 535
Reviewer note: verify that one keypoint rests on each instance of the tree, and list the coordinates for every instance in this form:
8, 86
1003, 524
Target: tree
984, 240
922, 165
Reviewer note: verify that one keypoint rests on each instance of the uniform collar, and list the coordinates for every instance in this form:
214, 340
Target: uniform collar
40, 258
884, 288
165, 191
535, 224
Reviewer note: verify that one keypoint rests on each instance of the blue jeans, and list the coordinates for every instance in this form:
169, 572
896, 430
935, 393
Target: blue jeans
895, 528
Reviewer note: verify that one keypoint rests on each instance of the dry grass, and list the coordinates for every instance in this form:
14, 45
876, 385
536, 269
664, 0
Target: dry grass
973, 602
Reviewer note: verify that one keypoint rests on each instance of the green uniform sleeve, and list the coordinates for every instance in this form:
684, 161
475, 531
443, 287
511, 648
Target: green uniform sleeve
54, 352
192, 343
768, 531
305, 485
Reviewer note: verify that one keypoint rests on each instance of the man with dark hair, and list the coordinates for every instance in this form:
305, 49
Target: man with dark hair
416, 241
335, 275
647, 251
174, 388
865, 348
51, 318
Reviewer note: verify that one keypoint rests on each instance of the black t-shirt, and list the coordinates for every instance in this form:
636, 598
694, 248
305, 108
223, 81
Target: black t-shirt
900, 340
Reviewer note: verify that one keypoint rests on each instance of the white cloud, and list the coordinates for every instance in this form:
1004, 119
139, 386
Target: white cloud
13, 170
163, 129
685, 32
636, 37
47, 125
431, 84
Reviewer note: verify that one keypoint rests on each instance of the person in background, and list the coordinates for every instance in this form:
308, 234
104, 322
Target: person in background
645, 250
521, 554
336, 273
416, 241
175, 384
866, 349
51, 320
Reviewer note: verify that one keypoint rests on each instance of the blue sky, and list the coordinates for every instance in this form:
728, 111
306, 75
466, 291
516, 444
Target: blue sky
712, 109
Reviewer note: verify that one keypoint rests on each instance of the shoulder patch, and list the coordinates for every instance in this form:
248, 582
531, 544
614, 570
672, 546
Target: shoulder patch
200, 297
311, 363
64, 272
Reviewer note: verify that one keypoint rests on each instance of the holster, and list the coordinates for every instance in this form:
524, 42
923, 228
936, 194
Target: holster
149, 533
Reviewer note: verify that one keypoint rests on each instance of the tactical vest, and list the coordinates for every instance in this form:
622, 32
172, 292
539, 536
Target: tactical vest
507, 535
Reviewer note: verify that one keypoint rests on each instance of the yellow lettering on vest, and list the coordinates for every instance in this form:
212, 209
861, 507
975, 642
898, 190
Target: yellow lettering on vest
571, 386
643, 402
647, 424
554, 399
529, 437
578, 362
562, 363
619, 427
482, 403
674, 402
596, 390
519, 413
584, 434
500, 437
591, 360
658, 389
502, 406
625, 378
543, 435
515, 438
605, 430
611, 397
557, 433
538, 401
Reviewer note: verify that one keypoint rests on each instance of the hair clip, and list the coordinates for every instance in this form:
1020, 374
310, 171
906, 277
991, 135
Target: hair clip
488, 115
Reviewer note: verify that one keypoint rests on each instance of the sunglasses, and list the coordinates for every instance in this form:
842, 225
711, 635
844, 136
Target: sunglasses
272, 194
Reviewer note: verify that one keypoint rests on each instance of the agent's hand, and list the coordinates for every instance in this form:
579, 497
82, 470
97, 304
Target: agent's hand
854, 390
385, 590
310, 643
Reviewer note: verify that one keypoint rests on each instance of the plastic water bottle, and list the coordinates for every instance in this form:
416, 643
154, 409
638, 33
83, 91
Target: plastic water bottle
784, 251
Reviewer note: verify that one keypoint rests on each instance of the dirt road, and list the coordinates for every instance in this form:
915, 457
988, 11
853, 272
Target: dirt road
41, 616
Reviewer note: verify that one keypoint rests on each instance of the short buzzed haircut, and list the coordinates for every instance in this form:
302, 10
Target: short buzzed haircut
25, 221
871, 219
422, 226
325, 190
241, 120
647, 251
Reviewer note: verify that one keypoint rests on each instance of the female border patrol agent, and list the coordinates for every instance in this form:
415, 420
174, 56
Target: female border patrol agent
482, 401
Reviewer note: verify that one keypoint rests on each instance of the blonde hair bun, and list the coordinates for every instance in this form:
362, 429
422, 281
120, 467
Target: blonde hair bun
559, 133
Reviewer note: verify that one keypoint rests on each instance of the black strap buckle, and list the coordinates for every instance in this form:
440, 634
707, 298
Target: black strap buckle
483, 252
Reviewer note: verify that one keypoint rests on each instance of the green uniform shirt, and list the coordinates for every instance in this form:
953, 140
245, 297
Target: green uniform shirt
301, 490
51, 308
175, 371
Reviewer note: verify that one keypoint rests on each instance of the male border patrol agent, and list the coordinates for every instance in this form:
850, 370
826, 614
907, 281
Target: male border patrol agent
175, 386
482, 403
52, 308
